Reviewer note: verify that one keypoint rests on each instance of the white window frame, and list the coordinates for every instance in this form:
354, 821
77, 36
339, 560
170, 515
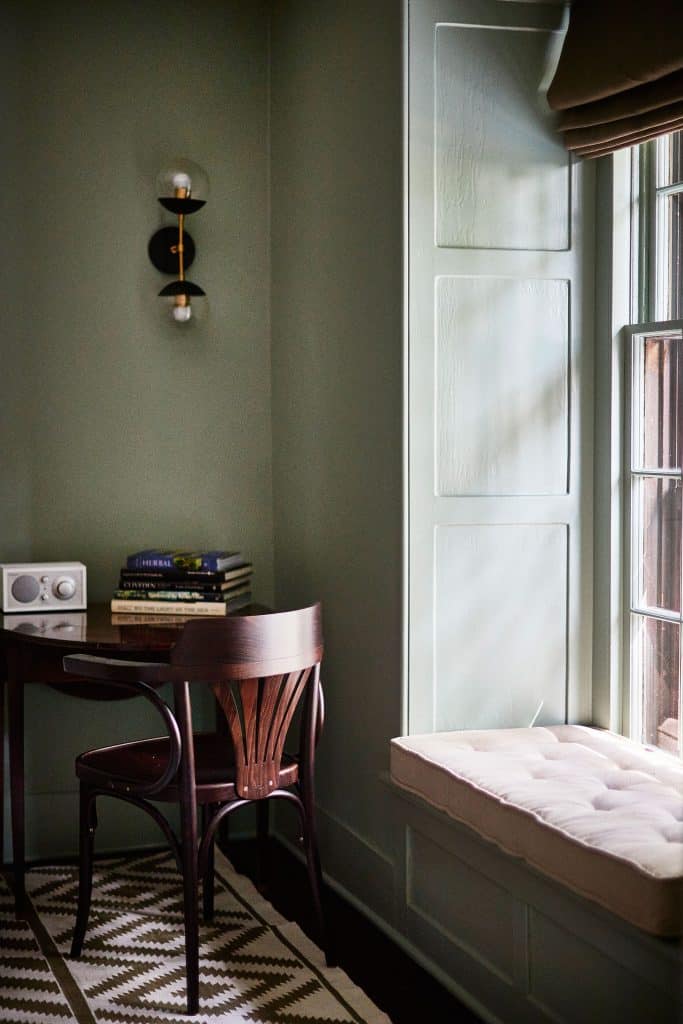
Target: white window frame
645, 279
634, 473
651, 230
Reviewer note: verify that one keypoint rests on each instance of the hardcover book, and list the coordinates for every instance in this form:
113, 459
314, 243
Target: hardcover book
180, 595
175, 558
150, 586
192, 577
167, 618
182, 608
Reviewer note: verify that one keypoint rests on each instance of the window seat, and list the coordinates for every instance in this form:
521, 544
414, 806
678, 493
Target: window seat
596, 812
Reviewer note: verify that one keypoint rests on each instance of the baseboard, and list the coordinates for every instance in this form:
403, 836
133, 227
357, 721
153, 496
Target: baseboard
349, 858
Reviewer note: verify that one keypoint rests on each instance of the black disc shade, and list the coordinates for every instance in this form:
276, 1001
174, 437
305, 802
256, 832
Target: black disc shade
182, 288
160, 251
177, 205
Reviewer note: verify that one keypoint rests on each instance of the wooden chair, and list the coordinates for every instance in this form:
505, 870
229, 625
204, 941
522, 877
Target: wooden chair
259, 668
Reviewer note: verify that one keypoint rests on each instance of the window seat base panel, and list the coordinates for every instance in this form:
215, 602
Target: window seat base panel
596, 812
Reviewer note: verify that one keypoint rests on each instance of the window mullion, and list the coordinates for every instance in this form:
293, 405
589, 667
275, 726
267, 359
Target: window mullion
670, 190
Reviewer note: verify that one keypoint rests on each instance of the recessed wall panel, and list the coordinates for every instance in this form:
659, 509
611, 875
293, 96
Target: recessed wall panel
500, 610
502, 381
453, 897
502, 174
608, 992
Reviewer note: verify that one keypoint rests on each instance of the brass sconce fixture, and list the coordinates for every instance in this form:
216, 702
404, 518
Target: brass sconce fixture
181, 189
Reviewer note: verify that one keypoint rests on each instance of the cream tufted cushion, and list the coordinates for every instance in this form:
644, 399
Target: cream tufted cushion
597, 812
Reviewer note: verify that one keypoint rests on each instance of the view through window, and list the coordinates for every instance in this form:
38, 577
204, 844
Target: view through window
656, 454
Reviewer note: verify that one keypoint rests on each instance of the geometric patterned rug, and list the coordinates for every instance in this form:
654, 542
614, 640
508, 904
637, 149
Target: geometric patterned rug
254, 967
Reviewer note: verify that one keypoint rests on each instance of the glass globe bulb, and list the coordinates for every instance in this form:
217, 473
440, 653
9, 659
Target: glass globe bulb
185, 179
182, 181
182, 313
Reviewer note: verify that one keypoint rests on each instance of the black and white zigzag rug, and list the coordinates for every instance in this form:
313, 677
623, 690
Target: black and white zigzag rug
255, 967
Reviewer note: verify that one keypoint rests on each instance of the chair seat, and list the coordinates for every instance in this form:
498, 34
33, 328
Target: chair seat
143, 761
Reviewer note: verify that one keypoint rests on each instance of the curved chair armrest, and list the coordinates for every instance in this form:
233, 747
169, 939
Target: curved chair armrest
113, 670
136, 686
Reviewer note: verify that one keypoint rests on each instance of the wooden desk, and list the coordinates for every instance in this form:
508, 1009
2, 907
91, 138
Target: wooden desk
31, 651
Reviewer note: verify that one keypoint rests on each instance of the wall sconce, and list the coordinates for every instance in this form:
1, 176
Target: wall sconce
182, 189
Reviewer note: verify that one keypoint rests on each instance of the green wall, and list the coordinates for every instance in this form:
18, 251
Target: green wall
337, 394
126, 429
121, 428
15, 539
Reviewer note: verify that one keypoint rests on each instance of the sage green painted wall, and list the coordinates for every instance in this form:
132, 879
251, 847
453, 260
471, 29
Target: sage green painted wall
337, 394
137, 430
15, 540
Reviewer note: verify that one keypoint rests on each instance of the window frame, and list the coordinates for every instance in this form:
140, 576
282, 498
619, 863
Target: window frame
650, 247
631, 613
641, 276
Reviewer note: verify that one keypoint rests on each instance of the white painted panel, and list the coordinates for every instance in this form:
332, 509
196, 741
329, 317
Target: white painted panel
503, 434
501, 625
502, 378
502, 174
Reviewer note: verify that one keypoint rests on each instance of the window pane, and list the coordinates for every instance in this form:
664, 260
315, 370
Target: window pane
658, 554
660, 426
670, 159
658, 664
670, 256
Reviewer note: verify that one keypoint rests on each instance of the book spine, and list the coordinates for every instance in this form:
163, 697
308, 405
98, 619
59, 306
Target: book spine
195, 576
169, 607
183, 580
152, 586
125, 593
166, 562
212, 561
145, 618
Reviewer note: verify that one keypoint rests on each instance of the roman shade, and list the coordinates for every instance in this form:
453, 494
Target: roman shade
619, 80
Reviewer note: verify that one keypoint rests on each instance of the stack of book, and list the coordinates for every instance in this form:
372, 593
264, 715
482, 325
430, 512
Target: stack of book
170, 582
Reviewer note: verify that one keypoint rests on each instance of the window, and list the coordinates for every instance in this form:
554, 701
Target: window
655, 452
661, 191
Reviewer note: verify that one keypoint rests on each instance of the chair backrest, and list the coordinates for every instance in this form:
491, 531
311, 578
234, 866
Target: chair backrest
258, 667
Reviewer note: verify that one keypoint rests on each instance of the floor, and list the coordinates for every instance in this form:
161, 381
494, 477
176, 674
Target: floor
398, 985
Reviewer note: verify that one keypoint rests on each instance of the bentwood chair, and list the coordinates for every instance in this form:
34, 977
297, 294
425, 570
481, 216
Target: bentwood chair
259, 667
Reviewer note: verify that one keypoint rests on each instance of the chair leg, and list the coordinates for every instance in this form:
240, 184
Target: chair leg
87, 826
315, 879
262, 823
191, 914
314, 716
208, 811
189, 852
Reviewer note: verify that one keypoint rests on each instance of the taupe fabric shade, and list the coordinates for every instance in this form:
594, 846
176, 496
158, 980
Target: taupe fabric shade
619, 80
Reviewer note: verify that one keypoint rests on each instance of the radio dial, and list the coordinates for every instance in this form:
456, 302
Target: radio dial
64, 588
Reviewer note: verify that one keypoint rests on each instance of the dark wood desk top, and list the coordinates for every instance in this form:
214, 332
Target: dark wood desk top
98, 629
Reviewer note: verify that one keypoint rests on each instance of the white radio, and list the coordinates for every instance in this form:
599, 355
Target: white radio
43, 586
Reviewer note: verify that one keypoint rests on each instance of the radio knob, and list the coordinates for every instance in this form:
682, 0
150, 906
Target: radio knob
64, 588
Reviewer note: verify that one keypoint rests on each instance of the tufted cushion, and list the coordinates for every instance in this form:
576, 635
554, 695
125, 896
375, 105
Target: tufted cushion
597, 812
